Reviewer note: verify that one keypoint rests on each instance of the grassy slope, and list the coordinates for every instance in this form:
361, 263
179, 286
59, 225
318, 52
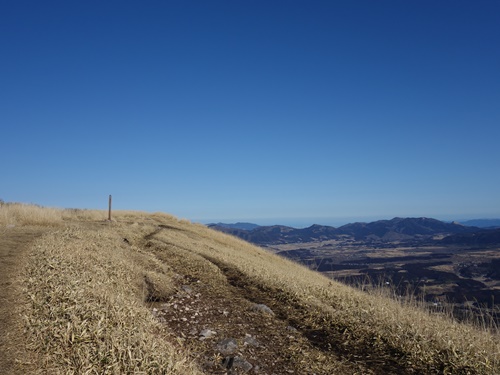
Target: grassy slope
86, 288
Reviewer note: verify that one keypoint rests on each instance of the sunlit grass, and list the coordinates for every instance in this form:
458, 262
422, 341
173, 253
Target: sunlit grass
86, 311
12, 214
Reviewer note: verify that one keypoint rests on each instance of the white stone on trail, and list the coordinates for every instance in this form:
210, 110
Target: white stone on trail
250, 340
227, 346
262, 308
207, 333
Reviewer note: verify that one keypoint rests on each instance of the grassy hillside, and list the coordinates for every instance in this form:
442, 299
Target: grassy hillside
148, 293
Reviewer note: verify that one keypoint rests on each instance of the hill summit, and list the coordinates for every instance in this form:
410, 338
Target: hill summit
153, 294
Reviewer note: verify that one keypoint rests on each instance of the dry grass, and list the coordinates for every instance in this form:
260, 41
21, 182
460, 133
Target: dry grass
20, 214
424, 342
76, 214
87, 289
86, 314
12, 214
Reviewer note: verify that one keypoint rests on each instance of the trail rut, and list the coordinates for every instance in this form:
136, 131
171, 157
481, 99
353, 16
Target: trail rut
13, 245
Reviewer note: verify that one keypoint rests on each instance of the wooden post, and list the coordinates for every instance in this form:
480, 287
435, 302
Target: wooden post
109, 210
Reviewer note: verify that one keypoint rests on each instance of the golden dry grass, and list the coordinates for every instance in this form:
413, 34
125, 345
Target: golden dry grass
21, 214
86, 314
12, 214
426, 342
86, 290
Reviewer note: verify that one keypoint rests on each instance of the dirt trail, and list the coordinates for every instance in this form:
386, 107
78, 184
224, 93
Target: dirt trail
13, 244
215, 299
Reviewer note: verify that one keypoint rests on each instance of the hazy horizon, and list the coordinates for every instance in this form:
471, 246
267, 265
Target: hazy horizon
336, 221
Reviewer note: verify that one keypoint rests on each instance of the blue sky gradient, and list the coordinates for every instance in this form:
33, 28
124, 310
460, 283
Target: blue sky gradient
294, 112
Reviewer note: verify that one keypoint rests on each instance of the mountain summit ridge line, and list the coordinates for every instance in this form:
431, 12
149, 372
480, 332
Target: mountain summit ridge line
386, 230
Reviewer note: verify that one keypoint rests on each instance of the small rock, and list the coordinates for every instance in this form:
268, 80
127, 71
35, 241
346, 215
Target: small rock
227, 346
207, 333
242, 364
259, 307
187, 289
249, 340
238, 363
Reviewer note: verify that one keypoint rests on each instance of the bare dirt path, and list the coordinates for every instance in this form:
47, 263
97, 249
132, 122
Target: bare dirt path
221, 316
13, 245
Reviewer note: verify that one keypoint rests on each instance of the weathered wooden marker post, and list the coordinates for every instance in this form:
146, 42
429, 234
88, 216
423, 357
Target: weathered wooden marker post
109, 208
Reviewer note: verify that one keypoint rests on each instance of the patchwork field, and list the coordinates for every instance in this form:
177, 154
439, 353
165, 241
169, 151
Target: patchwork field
463, 277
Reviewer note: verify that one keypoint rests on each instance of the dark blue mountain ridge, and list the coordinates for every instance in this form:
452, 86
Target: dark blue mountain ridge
421, 226
396, 229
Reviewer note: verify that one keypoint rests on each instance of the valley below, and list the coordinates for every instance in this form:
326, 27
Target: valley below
450, 268
466, 277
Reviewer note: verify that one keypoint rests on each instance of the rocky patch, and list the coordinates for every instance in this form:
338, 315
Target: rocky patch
226, 333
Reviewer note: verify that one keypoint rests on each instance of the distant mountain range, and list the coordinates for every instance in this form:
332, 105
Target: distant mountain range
482, 223
397, 229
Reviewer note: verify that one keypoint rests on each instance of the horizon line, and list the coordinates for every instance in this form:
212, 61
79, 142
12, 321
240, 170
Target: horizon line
304, 222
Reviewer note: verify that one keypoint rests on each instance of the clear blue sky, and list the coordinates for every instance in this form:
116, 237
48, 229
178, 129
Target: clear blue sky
284, 111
